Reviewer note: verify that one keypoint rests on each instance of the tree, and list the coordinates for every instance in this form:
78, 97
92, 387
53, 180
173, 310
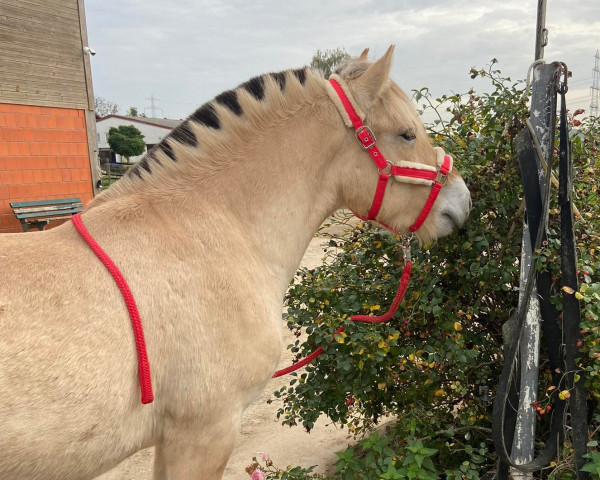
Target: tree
132, 112
126, 140
104, 107
328, 60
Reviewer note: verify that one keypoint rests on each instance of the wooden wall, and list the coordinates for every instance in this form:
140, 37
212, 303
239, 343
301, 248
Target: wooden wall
41, 54
48, 143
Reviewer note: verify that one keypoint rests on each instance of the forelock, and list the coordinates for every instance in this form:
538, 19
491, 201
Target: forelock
352, 68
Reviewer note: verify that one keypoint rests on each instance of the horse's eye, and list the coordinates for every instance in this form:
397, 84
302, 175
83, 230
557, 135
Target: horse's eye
409, 135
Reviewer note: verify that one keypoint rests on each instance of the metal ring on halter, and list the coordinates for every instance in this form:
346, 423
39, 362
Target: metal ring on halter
387, 170
441, 178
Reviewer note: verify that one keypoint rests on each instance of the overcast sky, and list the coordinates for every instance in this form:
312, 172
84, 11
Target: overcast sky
184, 52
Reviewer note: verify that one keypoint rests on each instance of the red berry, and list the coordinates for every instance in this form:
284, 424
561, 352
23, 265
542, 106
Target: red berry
579, 344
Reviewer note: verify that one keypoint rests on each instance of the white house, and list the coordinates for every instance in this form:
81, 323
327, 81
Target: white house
153, 129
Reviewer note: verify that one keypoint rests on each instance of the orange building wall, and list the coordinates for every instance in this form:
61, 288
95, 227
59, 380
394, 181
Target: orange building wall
43, 154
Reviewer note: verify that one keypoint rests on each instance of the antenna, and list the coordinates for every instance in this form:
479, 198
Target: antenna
153, 108
595, 88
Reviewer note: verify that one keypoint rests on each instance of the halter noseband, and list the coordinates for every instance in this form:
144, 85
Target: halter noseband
408, 172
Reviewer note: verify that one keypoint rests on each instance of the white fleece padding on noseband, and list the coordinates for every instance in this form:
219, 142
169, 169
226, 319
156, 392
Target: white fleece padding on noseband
440, 155
338, 103
414, 181
416, 166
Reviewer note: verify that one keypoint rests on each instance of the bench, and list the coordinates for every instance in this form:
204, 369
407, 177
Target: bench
37, 214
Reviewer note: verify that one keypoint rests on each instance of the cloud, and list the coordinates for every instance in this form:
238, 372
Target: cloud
186, 52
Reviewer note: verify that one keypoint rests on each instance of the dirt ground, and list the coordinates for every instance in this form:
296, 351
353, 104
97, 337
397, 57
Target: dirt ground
261, 432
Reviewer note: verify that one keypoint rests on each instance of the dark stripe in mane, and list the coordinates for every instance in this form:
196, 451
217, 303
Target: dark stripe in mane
145, 164
229, 99
151, 155
137, 172
206, 115
300, 74
167, 150
279, 77
256, 87
183, 134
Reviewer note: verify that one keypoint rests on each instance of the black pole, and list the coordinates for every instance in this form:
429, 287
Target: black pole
541, 39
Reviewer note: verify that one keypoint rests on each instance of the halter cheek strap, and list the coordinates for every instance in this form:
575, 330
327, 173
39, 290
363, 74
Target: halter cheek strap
408, 172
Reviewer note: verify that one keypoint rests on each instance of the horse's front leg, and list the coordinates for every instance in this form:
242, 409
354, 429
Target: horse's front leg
194, 452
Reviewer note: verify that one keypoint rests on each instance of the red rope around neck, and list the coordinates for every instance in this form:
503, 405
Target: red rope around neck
138, 332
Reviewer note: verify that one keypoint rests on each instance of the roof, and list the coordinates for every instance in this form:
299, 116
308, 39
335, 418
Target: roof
167, 123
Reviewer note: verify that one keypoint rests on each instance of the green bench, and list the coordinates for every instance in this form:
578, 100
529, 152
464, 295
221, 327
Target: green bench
38, 214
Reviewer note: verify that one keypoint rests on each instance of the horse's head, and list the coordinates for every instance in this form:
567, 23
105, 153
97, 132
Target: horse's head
413, 165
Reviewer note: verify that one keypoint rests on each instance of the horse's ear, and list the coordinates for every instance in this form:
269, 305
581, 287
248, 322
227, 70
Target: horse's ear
363, 55
369, 85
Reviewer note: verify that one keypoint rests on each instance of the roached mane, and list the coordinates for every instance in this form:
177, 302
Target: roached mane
218, 131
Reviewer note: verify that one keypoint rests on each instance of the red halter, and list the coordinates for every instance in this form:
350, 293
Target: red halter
407, 171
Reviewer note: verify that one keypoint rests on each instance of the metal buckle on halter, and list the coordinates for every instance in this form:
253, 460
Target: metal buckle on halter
364, 128
441, 178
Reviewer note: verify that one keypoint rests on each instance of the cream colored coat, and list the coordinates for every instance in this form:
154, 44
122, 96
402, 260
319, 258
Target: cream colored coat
208, 240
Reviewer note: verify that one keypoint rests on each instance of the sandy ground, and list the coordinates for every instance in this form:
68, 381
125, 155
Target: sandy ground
261, 432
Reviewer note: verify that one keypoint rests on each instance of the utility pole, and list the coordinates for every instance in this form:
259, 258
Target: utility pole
595, 88
153, 108
541, 38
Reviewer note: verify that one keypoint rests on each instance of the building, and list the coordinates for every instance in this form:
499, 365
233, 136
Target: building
153, 129
47, 123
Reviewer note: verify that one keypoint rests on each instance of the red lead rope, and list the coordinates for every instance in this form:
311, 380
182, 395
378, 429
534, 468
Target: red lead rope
138, 332
358, 318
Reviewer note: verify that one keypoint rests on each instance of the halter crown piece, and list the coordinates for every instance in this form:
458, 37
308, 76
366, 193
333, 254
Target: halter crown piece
408, 172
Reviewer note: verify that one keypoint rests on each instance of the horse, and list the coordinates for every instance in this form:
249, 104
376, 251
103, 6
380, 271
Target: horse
208, 229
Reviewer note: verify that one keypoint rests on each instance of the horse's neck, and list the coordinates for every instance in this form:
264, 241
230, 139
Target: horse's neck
276, 193
279, 194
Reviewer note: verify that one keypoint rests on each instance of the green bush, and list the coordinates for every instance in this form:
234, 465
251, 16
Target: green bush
432, 365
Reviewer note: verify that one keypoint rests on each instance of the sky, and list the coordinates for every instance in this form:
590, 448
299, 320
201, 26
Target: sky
185, 52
